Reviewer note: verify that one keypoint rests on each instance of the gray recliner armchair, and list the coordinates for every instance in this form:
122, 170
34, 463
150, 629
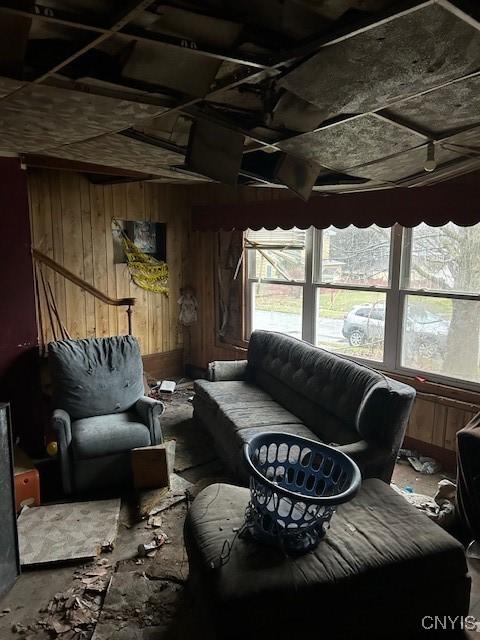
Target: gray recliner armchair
101, 412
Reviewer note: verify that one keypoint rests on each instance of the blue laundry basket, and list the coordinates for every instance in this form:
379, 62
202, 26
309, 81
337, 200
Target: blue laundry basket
295, 487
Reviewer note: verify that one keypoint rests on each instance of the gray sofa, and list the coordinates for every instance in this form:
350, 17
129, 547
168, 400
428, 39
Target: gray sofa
290, 386
101, 412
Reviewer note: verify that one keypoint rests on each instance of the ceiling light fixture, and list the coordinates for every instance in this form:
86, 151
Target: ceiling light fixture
430, 163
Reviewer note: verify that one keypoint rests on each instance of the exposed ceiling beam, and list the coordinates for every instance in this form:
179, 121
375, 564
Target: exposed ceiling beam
91, 23
53, 15
119, 22
195, 47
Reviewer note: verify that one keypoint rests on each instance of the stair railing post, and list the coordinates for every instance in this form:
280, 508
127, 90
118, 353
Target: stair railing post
129, 314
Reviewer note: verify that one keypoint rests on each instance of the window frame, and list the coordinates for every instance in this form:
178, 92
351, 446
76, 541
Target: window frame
396, 292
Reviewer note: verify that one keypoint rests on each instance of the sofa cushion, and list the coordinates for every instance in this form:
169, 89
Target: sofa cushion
96, 376
106, 435
357, 583
236, 392
244, 409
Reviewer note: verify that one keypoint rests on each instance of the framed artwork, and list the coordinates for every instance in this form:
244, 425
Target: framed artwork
149, 237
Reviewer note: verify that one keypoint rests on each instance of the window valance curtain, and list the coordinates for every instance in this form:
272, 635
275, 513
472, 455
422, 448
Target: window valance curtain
457, 202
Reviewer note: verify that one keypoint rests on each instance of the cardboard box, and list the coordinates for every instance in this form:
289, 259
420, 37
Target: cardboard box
152, 466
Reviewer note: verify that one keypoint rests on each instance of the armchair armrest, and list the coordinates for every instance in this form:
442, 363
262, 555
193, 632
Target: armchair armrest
150, 411
62, 426
227, 370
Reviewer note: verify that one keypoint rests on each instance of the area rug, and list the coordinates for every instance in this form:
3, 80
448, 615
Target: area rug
67, 532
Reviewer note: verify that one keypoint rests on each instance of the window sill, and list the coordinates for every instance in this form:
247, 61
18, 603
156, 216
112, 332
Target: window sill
437, 389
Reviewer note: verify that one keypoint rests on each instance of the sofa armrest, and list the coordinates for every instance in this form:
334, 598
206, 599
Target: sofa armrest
62, 426
227, 370
150, 411
374, 461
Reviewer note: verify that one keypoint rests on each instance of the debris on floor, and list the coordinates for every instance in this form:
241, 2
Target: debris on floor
421, 464
440, 508
66, 532
154, 521
73, 614
134, 603
150, 548
155, 501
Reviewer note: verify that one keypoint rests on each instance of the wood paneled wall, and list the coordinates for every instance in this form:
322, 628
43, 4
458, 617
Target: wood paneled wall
71, 223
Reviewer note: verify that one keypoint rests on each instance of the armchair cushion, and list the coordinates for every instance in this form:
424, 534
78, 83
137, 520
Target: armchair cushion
96, 376
105, 435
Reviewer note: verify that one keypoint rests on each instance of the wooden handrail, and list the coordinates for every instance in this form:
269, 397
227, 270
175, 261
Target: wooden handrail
115, 302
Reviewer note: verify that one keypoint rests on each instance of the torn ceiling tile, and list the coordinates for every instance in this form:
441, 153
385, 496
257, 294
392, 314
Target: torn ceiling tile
40, 117
182, 72
298, 175
403, 56
206, 29
295, 114
173, 128
215, 151
351, 143
116, 150
455, 106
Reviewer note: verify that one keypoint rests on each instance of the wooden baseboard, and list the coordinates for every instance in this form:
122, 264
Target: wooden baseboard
168, 364
446, 457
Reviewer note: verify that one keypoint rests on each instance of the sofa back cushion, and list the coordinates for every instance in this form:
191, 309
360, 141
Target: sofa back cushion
332, 395
96, 376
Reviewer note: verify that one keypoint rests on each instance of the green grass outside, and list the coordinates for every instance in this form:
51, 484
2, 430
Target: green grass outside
336, 303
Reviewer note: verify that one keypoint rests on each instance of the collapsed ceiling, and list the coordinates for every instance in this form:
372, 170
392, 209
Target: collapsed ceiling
334, 95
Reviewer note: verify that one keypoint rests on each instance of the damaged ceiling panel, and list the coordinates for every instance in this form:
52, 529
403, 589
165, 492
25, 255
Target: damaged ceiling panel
453, 107
352, 143
414, 52
351, 89
40, 117
117, 150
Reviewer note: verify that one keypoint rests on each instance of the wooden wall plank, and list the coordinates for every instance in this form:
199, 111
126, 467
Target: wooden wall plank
88, 269
52, 179
122, 277
439, 424
73, 253
421, 420
456, 420
111, 271
97, 203
136, 211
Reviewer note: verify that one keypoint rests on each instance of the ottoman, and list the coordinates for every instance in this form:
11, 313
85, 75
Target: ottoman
382, 569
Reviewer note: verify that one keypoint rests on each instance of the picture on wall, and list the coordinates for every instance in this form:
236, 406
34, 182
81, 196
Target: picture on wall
149, 237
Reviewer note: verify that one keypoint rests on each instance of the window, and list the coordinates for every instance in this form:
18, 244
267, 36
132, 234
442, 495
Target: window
404, 300
441, 282
276, 269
